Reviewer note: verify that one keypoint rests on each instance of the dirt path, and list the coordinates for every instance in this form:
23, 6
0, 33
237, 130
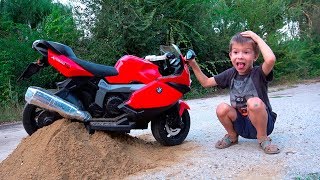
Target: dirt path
10, 136
65, 149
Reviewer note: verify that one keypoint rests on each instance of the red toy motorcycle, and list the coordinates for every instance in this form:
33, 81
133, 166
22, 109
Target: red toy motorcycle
128, 96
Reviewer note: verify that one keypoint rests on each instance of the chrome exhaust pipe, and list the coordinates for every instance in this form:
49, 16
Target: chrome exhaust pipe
47, 100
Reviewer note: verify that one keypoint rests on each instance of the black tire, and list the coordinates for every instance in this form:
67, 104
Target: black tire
29, 122
35, 118
159, 130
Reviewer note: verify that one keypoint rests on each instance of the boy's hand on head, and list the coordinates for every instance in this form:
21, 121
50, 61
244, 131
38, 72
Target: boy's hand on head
250, 34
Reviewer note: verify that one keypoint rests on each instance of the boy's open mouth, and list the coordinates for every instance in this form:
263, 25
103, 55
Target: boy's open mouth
240, 65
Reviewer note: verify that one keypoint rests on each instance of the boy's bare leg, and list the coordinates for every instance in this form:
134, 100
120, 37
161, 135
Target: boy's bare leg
226, 115
258, 116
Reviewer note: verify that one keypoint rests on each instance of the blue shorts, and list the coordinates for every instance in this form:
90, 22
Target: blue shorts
244, 127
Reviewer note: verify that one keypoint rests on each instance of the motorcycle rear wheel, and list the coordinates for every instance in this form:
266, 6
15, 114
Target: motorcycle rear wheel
35, 118
167, 135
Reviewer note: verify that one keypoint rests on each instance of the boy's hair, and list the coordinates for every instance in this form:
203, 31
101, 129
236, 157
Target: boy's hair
241, 39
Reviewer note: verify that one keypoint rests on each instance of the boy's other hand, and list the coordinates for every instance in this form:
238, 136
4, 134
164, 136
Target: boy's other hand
191, 62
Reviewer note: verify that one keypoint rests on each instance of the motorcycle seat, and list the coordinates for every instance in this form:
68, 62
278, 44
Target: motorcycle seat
98, 70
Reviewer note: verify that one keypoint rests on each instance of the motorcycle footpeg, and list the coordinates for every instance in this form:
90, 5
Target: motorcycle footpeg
123, 125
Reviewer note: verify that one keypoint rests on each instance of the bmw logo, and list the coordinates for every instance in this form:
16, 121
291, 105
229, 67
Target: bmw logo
159, 90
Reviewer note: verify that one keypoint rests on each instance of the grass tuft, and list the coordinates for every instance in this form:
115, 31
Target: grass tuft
11, 113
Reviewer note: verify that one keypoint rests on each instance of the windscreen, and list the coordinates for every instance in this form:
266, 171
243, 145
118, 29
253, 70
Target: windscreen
173, 49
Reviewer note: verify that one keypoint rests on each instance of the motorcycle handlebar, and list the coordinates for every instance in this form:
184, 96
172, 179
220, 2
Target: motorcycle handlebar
190, 54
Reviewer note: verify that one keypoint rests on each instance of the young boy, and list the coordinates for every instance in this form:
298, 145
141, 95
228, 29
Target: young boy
250, 114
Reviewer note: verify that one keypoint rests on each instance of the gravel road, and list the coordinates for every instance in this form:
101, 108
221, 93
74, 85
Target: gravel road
296, 132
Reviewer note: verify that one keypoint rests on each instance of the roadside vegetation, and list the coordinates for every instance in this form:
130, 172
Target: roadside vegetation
102, 31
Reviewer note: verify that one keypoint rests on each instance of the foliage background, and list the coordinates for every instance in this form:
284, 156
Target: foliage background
104, 30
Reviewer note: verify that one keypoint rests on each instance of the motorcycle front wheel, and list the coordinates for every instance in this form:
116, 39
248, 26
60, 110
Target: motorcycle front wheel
169, 135
35, 118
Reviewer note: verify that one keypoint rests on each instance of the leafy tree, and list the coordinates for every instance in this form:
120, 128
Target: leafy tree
26, 12
49, 21
306, 13
60, 26
139, 27
299, 56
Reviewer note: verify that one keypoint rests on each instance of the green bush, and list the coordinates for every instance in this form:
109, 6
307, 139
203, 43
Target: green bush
16, 38
298, 59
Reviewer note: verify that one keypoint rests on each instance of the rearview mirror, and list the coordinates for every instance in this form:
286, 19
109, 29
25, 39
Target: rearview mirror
190, 54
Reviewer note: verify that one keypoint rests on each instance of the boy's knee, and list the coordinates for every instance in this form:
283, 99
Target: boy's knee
255, 104
222, 109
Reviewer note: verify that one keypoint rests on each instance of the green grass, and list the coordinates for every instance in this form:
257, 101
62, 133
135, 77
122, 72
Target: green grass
11, 113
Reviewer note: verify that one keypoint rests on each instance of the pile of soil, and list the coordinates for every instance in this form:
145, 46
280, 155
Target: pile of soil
65, 150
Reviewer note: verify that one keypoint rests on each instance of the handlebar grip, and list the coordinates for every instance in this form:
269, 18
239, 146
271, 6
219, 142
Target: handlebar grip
190, 54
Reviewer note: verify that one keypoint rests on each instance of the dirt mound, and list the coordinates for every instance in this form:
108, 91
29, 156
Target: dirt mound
65, 150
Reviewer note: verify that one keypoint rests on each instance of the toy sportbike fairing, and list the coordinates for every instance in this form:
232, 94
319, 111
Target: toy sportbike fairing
128, 96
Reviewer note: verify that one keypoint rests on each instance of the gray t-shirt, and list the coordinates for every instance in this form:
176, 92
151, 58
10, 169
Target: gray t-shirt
242, 87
